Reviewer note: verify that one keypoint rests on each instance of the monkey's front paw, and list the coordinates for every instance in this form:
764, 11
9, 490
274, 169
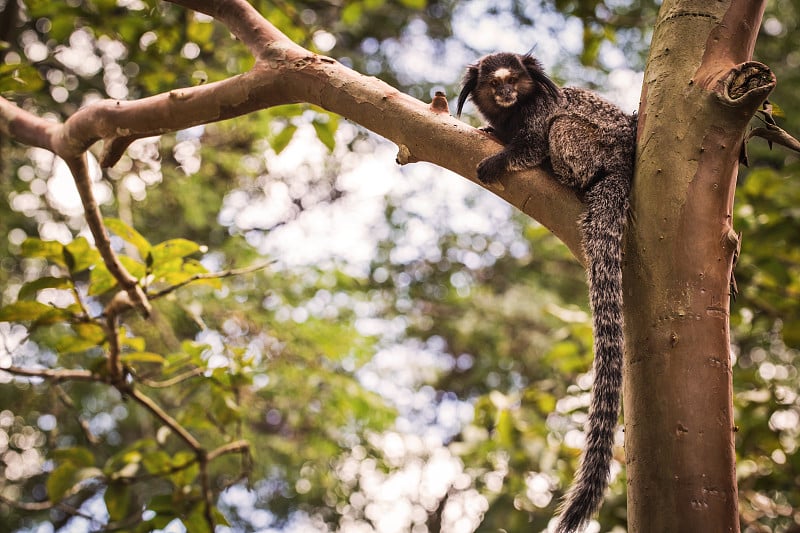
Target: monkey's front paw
490, 169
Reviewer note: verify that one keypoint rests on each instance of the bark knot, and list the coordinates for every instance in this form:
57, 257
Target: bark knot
746, 85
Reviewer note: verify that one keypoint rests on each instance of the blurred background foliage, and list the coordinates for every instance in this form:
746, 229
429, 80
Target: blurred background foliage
415, 355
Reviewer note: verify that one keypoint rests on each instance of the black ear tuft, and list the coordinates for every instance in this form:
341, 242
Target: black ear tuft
536, 72
469, 83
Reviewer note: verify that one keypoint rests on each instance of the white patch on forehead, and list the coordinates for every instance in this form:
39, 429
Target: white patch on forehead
501, 73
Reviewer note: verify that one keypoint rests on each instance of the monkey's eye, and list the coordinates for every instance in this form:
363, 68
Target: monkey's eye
496, 82
511, 80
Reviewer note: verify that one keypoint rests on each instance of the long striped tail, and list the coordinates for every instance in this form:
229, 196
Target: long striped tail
602, 225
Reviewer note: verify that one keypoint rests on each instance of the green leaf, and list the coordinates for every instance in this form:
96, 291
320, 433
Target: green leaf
20, 78
136, 344
141, 357
195, 351
118, 501
182, 271
128, 234
186, 476
60, 480
196, 521
182, 459
24, 311
82, 457
51, 250
157, 462
326, 130
223, 407
219, 518
66, 344
199, 32
82, 253
414, 4
135, 268
173, 249
100, 280
351, 13
90, 331
29, 290
132, 454
504, 430
75, 465
163, 504
283, 138
591, 46
791, 332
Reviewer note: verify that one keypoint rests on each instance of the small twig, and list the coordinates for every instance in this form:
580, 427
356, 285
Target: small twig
78, 299
232, 447
112, 360
208, 495
27, 506
168, 421
209, 275
55, 374
49, 504
66, 400
194, 444
172, 381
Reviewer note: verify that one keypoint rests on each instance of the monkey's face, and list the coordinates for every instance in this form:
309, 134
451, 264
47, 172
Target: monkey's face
502, 84
508, 85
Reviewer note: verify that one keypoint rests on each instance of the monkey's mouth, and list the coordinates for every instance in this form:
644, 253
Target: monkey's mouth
505, 100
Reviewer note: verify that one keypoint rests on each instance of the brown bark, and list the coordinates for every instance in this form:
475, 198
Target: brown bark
699, 95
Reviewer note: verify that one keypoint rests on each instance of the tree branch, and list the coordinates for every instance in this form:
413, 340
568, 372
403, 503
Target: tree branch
172, 381
166, 419
240, 446
25, 127
57, 375
209, 275
243, 21
775, 134
287, 73
84, 425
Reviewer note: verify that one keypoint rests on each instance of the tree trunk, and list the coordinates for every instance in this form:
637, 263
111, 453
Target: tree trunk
699, 94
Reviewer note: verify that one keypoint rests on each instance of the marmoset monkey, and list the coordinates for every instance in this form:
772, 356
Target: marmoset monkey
589, 144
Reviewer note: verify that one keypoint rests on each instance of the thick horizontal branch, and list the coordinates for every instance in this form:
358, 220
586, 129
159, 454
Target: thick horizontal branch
287, 73
25, 127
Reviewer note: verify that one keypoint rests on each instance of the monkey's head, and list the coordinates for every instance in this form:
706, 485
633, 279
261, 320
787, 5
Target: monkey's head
500, 81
